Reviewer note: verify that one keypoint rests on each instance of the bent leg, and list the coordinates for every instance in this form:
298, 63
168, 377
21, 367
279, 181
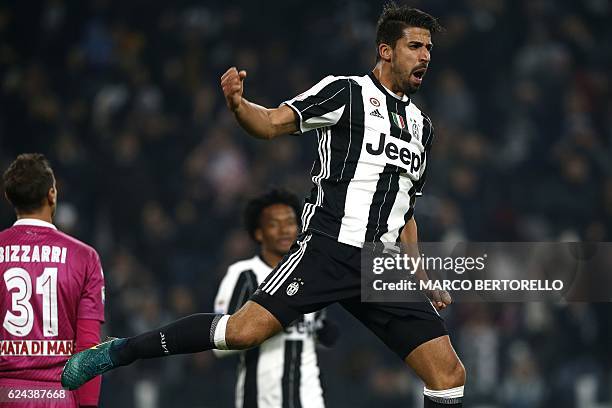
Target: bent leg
438, 365
250, 326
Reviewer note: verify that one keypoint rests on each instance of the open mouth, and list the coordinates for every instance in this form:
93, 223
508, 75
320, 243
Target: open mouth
419, 74
285, 241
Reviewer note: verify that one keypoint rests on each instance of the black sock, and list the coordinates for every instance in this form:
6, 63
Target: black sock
190, 334
434, 402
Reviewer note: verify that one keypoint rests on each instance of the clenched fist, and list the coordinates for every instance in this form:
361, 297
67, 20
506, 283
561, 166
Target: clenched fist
232, 84
439, 298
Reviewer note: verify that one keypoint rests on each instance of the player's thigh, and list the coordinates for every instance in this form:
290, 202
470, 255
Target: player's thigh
251, 325
403, 327
437, 364
316, 272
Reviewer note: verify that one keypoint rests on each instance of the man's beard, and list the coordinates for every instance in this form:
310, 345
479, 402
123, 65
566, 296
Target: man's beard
404, 84
409, 89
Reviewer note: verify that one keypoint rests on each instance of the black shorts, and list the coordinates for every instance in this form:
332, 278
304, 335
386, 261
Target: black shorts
319, 271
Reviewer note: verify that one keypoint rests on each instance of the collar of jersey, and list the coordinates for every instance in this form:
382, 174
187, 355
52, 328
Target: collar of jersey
259, 259
34, 223
383, 89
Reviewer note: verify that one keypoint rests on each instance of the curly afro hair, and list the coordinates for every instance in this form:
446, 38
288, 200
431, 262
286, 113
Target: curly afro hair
254, 208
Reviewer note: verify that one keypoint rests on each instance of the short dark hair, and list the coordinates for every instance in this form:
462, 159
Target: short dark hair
394, 19
27, 182
254, 208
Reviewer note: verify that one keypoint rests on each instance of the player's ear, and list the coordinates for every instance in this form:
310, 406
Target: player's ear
259, 235
385, 52
52, 196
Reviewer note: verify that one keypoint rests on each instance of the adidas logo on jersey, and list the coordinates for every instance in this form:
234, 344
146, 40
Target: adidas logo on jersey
377, 114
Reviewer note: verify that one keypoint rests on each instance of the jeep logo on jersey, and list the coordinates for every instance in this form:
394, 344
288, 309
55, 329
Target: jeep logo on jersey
398, 152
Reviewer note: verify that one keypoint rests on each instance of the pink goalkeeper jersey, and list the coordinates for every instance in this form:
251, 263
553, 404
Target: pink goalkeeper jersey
48, 280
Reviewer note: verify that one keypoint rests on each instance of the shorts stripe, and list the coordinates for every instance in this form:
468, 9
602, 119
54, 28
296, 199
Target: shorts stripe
273, 278
279, 271
280, 277
287, 268
287, 273
433, 307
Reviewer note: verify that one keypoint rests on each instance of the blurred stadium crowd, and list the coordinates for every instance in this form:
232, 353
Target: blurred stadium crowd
123, 98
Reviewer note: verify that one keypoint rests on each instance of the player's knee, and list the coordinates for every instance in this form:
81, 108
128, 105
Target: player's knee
245, 340
451, 376
242, 341
241, 334
458, 375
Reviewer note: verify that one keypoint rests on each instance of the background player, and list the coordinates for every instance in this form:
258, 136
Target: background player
373, 148
51, 294
284, 370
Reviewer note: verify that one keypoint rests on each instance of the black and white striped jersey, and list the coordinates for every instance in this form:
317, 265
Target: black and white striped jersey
283, 372
372, 156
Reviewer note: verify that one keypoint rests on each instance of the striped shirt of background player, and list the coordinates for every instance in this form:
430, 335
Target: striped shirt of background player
283, 372
357, 197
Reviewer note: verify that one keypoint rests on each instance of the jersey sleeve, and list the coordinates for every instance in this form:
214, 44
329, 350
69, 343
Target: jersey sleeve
322, 105
88, 335
235, 289
91, 304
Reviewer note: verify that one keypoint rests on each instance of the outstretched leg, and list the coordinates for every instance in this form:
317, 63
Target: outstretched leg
436, 362
248, 327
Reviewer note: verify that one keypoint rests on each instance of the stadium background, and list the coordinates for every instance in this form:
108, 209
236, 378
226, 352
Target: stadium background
123, 97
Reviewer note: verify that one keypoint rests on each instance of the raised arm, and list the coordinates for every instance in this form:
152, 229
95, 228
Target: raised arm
259, 121
440, 298
409, 233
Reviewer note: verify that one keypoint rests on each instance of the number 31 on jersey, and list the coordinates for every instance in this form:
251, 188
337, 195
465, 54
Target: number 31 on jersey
20, 319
